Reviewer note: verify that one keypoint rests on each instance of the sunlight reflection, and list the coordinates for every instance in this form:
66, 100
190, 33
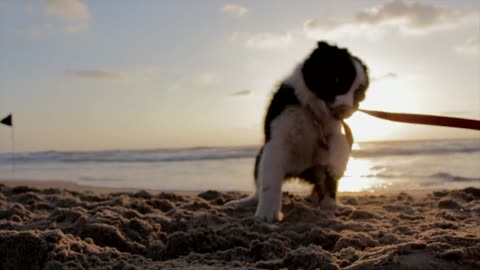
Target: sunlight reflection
358, 167
358, 177
361, 175
355, 146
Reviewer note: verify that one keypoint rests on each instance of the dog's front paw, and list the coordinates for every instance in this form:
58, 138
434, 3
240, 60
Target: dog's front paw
269, 215
328, 203
331, 204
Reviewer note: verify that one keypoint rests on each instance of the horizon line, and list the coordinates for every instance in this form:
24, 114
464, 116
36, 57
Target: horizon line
232, 146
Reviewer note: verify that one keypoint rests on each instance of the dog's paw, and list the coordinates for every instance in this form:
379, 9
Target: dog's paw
269, 213
269, 217
243, 203
328, 203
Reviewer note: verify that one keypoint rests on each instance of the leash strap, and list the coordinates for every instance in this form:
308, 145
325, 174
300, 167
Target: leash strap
423, 119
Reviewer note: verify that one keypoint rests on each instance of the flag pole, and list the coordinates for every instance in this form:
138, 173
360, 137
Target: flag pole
8, 121
13, 153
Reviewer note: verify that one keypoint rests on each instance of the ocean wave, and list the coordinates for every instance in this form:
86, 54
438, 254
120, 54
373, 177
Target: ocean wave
133, 156
444, 176
452, 177
366, 150
417, 148
99, 179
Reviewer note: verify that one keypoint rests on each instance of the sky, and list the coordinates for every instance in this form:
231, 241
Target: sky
91, 75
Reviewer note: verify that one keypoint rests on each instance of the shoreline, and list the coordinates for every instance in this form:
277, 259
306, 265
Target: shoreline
73, 186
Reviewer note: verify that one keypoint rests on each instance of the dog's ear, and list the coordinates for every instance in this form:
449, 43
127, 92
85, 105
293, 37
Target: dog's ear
322, 44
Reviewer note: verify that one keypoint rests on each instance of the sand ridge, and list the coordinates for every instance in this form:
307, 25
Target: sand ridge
54, 228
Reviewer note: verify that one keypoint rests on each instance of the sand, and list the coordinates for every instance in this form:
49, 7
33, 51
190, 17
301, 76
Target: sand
58, 228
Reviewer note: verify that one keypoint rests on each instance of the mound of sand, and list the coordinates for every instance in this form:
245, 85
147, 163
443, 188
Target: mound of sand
61, 229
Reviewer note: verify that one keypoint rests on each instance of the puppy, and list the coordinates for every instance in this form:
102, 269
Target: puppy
305, 136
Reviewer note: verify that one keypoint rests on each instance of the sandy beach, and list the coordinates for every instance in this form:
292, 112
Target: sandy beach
55, 225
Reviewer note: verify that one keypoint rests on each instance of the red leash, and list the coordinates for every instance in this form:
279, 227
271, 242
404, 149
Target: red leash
426, 119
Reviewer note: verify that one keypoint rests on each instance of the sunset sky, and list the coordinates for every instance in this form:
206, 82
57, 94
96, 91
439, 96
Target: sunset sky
87, 75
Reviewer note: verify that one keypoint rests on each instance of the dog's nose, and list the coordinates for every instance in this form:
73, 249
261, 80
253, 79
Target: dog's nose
342, 111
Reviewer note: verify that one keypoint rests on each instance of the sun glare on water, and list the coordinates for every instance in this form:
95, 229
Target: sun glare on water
358, 177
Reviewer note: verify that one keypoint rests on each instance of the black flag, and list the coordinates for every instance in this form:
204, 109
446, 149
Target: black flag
7, 120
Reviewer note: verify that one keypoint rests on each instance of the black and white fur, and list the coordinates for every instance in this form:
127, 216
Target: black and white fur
305, 136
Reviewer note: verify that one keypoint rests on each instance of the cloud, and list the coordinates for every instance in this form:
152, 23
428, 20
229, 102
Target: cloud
74, 13
264, 40
234, 10
410, 17
98, 74
137, 72
73, 10
53, 16
470, 46
241, 93
414, 15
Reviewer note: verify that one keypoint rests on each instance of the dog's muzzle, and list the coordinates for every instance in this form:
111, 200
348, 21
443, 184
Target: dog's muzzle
342, 111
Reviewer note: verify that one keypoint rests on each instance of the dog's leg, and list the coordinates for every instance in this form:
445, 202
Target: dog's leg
324, 186
315, 175
271, 175
338, 155
329, 199
253, 199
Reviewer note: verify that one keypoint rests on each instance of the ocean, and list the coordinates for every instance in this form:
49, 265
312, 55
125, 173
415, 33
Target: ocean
373, 166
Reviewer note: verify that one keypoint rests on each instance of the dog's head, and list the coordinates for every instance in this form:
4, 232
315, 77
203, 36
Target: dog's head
337, 77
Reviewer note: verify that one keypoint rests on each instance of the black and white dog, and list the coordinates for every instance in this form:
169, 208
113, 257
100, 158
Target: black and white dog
305, 136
